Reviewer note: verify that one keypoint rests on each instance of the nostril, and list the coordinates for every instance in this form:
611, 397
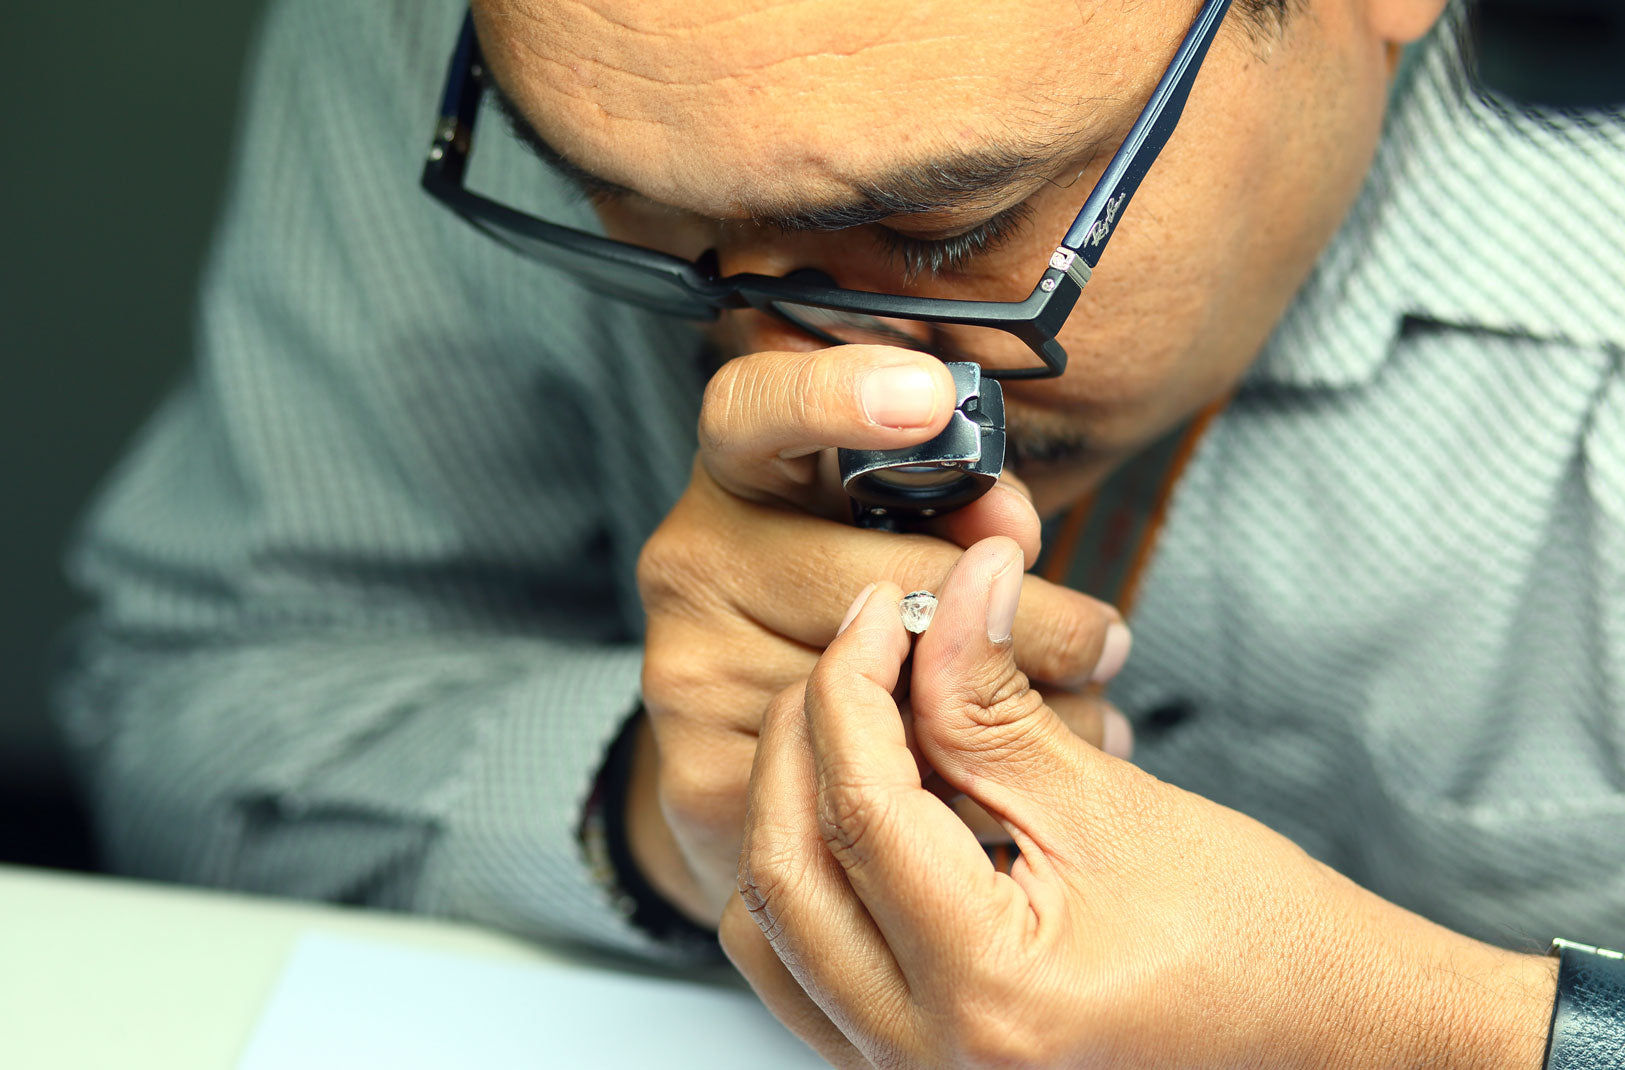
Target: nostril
810, 277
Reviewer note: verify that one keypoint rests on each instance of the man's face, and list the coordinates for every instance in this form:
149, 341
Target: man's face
720, 114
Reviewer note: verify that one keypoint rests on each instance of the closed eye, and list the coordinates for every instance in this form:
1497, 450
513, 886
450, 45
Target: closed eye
934, 256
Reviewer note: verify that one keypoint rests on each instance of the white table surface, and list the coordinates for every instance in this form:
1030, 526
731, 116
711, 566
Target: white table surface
103, 972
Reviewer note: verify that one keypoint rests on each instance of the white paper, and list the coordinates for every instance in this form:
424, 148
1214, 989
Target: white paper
349, 1004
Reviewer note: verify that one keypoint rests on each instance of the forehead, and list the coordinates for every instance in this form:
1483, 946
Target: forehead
736, 103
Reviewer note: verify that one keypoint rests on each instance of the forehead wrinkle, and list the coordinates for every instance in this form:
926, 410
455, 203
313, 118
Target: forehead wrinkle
641, 132
553, 21
668, 49
868, 49
761, 10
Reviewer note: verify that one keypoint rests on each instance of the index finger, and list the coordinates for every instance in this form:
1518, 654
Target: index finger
766, 415
795, 575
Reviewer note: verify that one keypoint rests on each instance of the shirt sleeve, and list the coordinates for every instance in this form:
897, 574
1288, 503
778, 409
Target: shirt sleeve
364, 615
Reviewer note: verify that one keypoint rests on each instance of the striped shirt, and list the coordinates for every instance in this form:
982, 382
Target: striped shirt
366, 617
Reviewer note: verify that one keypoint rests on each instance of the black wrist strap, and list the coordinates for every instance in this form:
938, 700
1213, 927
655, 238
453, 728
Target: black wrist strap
1588, 1019
651, 912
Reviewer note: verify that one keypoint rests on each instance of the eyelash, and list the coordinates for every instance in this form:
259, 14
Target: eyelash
931, 257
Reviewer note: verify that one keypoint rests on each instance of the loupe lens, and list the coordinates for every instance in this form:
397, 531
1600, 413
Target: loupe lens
916, 477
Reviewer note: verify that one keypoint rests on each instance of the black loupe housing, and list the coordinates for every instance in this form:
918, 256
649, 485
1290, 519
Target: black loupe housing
890, 488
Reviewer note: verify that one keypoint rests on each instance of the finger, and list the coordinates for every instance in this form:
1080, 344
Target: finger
766, 415
916, 867
756, 961
1083, 713
1005, 510
795, 576
795, 892
979, 723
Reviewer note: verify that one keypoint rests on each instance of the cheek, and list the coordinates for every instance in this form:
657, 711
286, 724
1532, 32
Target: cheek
1221, 235
1131, 337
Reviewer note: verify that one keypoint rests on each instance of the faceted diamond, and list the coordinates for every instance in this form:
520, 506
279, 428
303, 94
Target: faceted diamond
918, 609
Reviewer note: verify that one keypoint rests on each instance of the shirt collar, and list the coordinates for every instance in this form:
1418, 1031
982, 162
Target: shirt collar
1473, 215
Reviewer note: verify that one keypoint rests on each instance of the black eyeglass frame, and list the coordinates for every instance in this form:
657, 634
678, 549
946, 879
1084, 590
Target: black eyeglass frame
1035, 321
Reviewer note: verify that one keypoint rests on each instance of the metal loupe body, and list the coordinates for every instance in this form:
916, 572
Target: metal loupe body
889, 488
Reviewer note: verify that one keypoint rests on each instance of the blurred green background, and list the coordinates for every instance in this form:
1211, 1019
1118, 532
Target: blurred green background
119, 125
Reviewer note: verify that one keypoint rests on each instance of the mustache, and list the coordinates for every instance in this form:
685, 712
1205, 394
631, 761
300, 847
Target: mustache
1027, 447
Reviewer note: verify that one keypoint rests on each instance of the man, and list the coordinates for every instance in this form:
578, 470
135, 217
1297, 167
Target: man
371, 619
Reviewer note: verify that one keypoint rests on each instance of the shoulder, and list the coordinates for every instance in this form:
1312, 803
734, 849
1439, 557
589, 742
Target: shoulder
1474, 215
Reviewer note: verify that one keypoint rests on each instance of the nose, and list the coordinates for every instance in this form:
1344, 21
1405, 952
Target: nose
747, 249
849, 259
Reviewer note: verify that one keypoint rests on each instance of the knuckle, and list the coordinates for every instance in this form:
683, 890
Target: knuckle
1073, 632
722, 402
828, 687
766, 869
812, 386
850, 808
676, 571
669, 676
921, 562
661, 564
702, 794
749, 392
1012, 703
652, 568
784, 706
1012, 731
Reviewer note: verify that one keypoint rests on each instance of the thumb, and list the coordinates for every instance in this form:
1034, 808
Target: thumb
978, 722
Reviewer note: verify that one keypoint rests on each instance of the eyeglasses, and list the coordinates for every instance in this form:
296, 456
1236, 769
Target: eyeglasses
808, 299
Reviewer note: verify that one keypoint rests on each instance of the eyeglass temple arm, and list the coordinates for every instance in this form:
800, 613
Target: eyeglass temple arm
459, 107
1101, 212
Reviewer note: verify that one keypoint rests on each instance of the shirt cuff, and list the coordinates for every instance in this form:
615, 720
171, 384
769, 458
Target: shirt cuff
508, 853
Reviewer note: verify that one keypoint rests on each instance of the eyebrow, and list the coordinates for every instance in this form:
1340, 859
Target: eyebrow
966, 180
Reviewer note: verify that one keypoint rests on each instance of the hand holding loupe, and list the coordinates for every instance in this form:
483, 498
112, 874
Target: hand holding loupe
893, 489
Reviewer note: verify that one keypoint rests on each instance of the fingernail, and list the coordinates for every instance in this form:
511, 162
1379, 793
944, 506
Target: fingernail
1117, 735
856, 608
1003, 599
904, 396
1119, 640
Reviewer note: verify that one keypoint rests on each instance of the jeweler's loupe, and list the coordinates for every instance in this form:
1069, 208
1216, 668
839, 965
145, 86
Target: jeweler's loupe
891, 488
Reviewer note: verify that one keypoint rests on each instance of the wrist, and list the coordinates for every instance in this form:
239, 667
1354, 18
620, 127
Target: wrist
654, 851
1496, 1011
1418, 994
642, 853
